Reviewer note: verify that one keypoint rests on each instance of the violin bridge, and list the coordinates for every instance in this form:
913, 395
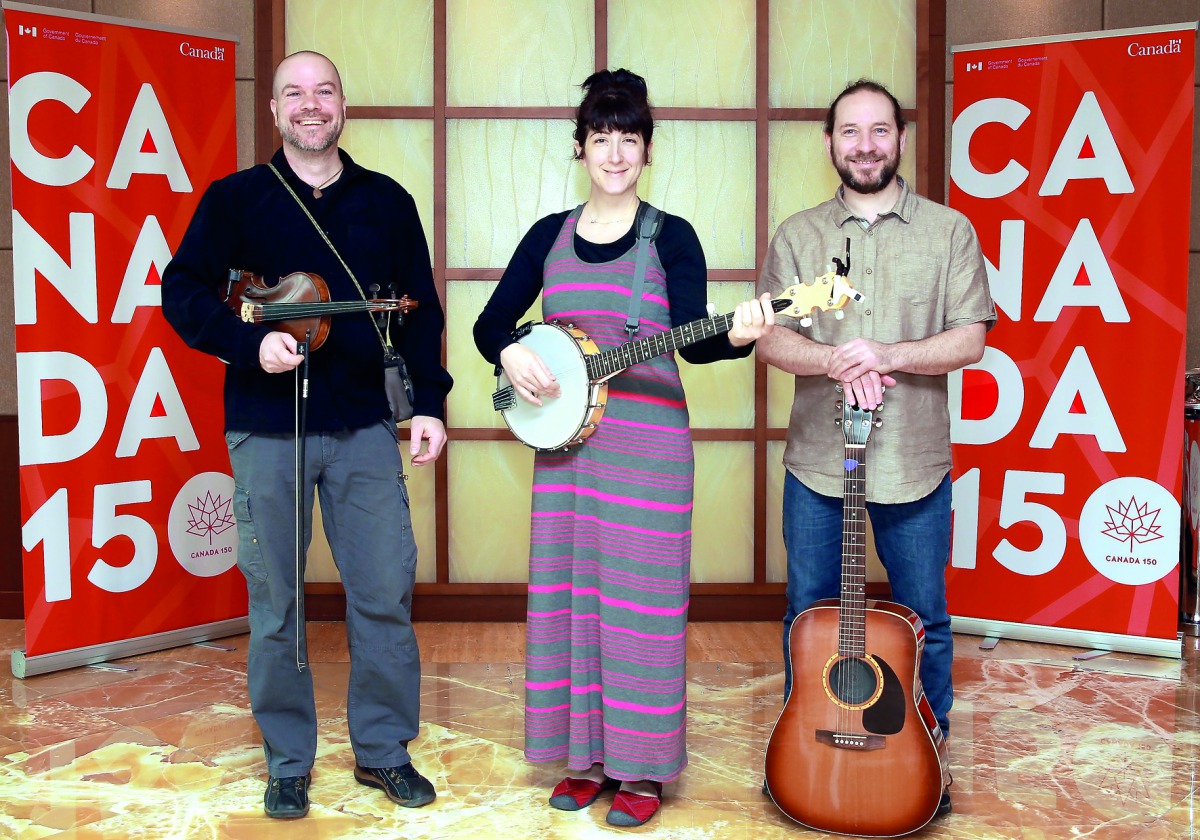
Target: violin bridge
248, 312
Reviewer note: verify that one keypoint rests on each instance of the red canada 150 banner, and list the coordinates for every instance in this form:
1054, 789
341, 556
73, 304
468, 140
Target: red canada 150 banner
1072, 156
116, 130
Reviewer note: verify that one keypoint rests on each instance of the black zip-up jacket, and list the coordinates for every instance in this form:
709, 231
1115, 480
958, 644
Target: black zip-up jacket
248, 221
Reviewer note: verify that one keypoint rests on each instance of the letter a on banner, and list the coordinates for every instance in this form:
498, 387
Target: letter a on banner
128, 537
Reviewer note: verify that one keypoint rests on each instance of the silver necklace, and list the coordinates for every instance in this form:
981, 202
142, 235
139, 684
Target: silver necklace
592, 216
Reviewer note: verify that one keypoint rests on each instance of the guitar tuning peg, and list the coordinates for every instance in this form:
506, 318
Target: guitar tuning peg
838, 405
878, 423
839, 314
837, 386
837, 421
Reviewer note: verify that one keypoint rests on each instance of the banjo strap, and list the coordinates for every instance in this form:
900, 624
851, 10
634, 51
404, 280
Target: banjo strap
647, 222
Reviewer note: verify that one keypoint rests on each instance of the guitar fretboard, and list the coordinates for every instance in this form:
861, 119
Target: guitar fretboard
601, 365
852, 619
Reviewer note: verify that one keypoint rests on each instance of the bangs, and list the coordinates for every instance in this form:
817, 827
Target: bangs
617, 113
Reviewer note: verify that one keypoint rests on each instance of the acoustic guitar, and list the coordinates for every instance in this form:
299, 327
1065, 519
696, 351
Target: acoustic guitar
857, 749
582, 370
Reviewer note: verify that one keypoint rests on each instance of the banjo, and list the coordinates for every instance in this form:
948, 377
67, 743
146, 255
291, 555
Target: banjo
582, 370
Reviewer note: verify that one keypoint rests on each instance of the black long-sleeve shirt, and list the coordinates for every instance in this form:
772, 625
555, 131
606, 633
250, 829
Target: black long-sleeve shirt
682, 259
248, 221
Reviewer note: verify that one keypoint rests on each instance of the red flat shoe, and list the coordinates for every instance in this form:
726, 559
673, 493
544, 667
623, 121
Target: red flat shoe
573, 794
633, 809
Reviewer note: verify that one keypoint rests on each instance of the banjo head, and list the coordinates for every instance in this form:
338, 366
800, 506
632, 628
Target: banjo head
559, 421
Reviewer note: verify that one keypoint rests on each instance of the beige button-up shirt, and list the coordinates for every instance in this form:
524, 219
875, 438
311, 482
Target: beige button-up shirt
921, 271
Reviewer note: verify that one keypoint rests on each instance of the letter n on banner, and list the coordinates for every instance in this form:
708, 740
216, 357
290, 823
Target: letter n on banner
1070, 155
128, 537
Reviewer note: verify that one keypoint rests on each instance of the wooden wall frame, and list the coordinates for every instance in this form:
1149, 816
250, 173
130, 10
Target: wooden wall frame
758, 600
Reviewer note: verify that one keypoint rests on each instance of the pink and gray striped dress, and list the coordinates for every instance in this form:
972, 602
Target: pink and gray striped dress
611, 545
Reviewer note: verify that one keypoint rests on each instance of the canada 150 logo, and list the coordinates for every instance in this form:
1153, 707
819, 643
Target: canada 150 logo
1129, 530
201, 525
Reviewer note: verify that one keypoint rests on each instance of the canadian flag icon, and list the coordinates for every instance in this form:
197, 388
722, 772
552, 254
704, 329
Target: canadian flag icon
26, 30
978, 65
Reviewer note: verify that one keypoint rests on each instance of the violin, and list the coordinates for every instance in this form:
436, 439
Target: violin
299, 302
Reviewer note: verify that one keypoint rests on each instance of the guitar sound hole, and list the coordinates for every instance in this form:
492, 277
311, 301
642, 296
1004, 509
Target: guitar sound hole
852, 681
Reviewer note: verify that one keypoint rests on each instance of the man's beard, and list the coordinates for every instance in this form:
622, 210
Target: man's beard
853, 179
292, 137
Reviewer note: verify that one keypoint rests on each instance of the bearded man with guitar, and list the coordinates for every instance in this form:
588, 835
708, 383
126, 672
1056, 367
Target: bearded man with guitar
926, 311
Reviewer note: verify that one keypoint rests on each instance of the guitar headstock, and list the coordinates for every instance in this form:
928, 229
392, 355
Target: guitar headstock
857, 422
830, 291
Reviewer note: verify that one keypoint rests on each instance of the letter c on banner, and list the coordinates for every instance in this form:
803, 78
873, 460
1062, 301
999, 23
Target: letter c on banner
24, 94
970, 180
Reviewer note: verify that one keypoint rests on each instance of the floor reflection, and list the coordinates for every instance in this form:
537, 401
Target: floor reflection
1043, 746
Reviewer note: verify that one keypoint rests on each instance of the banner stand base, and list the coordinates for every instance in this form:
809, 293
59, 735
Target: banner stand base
30, 666
1089, 639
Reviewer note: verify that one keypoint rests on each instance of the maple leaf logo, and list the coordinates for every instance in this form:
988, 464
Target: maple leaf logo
1132, 522
210, 516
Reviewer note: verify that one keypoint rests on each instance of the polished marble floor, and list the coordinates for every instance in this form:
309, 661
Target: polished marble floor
1045, 746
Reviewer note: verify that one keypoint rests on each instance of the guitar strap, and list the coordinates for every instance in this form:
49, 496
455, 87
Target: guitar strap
648, 222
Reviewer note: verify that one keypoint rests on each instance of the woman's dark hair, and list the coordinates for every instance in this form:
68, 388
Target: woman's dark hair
855, 87
614, 100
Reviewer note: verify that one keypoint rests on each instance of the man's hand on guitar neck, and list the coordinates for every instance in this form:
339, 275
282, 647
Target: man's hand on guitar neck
528, 374
867, 390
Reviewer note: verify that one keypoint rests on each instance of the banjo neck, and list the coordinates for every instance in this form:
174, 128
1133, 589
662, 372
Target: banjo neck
610, 362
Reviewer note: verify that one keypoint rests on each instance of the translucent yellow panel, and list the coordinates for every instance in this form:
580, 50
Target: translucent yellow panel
501, 177
704, 172
382, 48
402, 149
802, 176
776, 554
781, 388
421, 497
723, 516
721, 394
490, 488
691, 52
470, 402
518, 52
818, 46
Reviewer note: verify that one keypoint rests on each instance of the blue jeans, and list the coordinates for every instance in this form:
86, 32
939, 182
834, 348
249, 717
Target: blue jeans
913, 542
364, 509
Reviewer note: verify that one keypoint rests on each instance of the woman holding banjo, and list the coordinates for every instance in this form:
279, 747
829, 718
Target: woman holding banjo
611, 532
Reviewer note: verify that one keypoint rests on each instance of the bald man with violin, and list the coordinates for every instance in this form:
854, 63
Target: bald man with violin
315, 231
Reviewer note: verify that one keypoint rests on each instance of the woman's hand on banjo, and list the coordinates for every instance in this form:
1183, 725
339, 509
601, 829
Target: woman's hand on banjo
528, 374
752, 320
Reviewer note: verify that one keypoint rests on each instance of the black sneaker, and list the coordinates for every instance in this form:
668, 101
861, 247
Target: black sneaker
403, 785
287, 797
944, 806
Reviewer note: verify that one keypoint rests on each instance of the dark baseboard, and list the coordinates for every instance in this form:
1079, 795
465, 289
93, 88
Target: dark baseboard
327, 606
12, 604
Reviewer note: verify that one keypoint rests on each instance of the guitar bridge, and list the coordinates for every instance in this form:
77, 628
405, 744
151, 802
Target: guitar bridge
851, 740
